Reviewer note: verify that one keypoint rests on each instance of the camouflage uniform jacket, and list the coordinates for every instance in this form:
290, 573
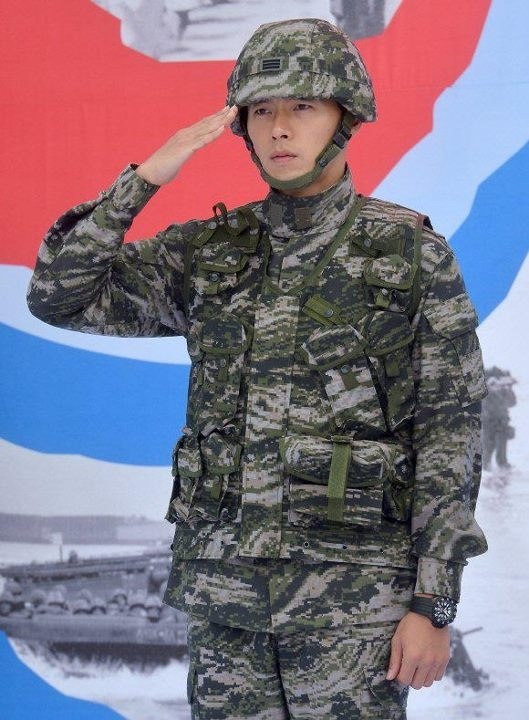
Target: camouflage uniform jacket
334, 391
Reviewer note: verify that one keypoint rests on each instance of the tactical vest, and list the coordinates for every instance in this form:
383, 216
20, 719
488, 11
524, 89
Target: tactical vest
299, 400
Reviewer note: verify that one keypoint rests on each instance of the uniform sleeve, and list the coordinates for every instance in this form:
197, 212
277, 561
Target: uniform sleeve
87, 279
450, 384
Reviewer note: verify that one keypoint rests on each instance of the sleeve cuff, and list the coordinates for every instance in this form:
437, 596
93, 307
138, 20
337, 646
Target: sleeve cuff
439, 577
130, 192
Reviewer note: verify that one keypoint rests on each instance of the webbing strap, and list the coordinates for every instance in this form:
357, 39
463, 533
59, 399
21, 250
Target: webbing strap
340, 461
417, 251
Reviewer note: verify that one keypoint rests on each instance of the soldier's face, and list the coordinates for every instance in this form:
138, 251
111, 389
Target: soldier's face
288, 134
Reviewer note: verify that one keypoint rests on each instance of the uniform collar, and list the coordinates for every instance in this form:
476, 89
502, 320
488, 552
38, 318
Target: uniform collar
288, 216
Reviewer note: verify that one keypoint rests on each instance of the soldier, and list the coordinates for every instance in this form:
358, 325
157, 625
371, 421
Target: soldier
81, 606
37, 600
497, 429
325, 481
56, 602
7, 603
136, 606
98, 606
119, 597
153, 606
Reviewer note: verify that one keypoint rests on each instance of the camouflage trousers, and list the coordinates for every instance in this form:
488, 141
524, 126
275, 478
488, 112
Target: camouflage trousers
281, 639
327, 674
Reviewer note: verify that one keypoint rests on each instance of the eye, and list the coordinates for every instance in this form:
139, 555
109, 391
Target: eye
260, 110
304, 106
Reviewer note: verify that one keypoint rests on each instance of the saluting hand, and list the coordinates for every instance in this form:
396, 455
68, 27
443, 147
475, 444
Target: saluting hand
163, 165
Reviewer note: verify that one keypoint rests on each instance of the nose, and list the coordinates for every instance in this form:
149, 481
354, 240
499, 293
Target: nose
280, 127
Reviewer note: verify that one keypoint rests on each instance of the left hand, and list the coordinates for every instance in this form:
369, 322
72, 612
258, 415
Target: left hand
419, 652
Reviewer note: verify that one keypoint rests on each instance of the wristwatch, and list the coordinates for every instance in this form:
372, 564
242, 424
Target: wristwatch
439, 609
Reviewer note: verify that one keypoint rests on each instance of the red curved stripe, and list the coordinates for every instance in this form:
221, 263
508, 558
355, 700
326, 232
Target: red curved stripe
78, 105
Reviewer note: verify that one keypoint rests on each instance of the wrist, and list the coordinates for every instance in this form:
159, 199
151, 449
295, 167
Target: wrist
147, 174
440, 610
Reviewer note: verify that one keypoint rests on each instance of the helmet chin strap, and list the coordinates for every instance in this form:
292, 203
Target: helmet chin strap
335, 145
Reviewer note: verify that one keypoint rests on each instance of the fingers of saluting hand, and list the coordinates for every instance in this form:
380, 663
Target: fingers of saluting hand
206, 130
164, 164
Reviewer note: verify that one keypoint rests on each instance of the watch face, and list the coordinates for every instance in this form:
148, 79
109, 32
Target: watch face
443, 611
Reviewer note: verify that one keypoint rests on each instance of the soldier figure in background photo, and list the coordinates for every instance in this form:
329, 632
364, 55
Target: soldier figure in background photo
359, 18
497, 430
326, 478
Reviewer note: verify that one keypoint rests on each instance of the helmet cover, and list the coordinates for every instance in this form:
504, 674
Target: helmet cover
305, 58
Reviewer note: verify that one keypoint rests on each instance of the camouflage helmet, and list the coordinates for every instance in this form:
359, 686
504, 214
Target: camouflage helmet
305, 58
309, 59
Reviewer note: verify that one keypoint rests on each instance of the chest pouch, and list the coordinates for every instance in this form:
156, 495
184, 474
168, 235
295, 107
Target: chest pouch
389, 283
217, 350
218, 268
337, 355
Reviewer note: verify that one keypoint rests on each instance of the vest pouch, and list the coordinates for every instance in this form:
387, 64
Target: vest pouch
337, 354
218, 268
454, 320
336, 481
389, 337
216, 375
389, 283
187, 468
203, 468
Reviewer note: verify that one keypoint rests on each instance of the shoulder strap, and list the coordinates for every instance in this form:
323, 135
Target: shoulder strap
422, 220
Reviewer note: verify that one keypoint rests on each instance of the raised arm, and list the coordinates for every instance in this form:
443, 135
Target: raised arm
87, 279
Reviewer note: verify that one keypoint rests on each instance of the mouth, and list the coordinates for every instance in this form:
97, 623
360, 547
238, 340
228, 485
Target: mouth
282, 156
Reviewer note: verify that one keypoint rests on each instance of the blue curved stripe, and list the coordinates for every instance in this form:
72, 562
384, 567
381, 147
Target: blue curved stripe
58, 399
24, 695
493, 242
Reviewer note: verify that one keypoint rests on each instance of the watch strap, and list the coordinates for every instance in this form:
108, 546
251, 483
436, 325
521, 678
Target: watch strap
440, 610
422, 605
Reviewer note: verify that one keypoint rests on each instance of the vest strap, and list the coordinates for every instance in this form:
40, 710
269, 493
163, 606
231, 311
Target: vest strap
340, 461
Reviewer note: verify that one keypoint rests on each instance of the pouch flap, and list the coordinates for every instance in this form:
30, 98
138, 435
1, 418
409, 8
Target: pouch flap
309, 457
221, 456
392, 271
452, 317
327, 348
223, 258
386, 331
223, 335
325, 312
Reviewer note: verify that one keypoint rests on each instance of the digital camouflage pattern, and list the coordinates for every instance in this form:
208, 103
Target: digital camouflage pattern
289, 597
327, 674
317, 352
305, 58
330, 461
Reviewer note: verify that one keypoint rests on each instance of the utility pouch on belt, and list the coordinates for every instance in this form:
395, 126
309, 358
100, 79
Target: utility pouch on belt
335, 480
